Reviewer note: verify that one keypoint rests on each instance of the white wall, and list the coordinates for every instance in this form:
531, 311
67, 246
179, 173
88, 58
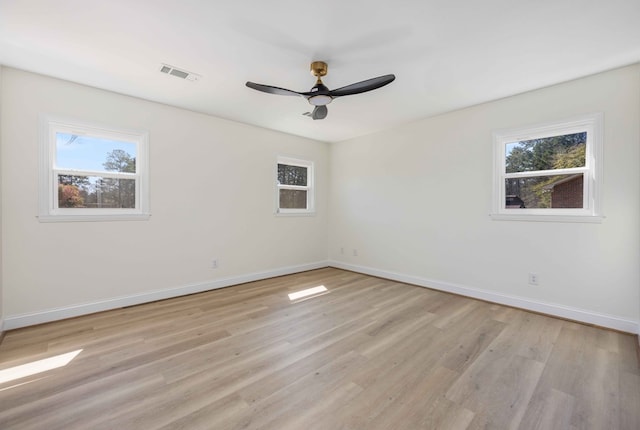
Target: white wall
1, 245
212, 195
415, 203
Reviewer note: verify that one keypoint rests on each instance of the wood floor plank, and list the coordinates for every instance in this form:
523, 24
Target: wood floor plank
552, 411
367, 354
283, 407
501, 387
629, 400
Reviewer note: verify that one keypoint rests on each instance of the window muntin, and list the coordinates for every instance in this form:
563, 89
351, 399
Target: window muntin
295, 186
91, 172
549, 170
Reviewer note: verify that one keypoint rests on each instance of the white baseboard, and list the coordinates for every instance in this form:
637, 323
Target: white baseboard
24, 320
561, 311
589, 317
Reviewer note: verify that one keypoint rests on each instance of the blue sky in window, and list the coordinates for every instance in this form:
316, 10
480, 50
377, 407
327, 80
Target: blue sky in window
509, 147
87, 152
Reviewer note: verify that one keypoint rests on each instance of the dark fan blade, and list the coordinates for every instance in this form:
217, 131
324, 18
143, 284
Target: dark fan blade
362, 87
319, 112
272, 90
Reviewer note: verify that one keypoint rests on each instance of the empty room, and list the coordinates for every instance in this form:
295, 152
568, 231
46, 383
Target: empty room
344, 215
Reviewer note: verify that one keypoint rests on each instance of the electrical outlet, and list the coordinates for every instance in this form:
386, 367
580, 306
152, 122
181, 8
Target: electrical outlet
214, 263
355, 252
342, 250
533, 278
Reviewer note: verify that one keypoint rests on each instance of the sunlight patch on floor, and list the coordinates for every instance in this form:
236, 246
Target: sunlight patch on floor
308, 292
38, 366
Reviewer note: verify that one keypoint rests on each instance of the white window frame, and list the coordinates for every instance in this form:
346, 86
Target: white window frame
591, 211
310, 187
49, 172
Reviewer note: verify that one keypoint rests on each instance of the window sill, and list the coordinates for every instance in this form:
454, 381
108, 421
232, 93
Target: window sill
590, 219
93, 218
289, 214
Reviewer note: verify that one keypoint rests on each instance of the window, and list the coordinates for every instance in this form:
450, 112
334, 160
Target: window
550, 172
92, 173
295, 186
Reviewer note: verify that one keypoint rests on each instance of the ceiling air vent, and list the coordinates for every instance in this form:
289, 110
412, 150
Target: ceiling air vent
182, 74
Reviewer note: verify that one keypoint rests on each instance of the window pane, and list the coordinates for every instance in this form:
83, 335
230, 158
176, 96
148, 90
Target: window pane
94, 153
96, 192
561, 191
292, 175
293, 199
548, 153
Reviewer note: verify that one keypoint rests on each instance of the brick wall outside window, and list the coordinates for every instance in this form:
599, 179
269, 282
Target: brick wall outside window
568, 194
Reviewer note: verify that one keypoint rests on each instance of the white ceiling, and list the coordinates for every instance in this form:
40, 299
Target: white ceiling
446, 54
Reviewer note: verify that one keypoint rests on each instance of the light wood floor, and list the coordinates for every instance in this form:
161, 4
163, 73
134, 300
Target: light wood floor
369, 354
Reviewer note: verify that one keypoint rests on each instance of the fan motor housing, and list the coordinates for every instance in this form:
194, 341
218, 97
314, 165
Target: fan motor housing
319, 68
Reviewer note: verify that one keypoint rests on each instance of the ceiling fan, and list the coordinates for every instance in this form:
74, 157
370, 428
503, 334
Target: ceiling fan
320, 96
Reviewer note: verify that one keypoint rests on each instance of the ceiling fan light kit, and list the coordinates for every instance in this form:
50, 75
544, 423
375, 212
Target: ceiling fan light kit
320, 96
